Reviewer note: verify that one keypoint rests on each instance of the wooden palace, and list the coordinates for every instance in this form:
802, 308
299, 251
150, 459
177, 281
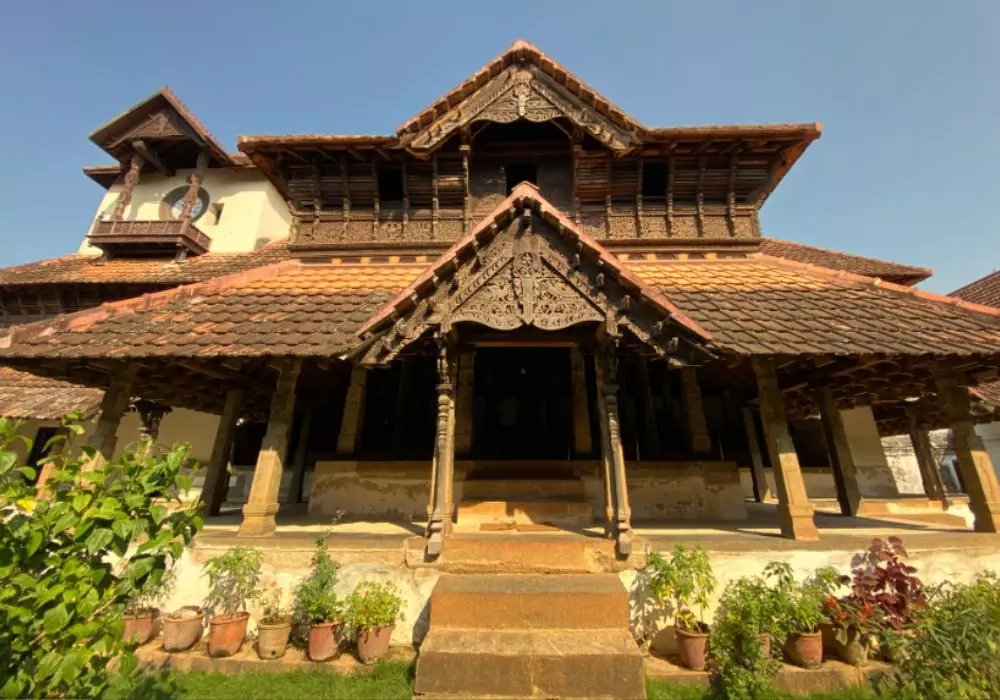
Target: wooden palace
523, 306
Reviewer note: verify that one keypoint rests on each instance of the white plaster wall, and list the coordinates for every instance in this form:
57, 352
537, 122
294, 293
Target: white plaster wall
903, 464
252, 209
990, 433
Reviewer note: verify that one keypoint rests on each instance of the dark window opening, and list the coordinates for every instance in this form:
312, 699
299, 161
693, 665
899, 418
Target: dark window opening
654, 179
390, 185
520, 172
247, 442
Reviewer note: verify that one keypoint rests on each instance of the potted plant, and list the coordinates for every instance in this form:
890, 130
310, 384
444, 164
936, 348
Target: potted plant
750, 614
316, 605
685, 580
274, 625
372, 610
233, 578
803, 614
895, 591
141, 616
182, 628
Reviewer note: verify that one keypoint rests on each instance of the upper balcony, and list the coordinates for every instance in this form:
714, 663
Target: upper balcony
180, 236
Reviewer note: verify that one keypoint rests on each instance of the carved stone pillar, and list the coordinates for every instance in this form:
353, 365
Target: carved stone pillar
694, 412
354, 413
114, 404
761, 490
131, 180
930, 474
795, 513
216, 484
974, 462
607, 384
442, 508
262, 506
845, 471
583, 444
465, 394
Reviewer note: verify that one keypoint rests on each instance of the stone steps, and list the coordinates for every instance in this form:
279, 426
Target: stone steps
522, 553
569, 512
521, 489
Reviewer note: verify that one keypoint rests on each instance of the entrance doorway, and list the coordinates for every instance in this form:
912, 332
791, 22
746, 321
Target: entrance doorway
523, 404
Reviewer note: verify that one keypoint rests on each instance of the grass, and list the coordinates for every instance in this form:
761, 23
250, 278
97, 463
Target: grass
663, 690
387, 681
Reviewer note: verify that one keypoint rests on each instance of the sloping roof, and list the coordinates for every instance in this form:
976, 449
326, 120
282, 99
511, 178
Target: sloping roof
985, 290
91, 269
527, 194
24, 395
871, 267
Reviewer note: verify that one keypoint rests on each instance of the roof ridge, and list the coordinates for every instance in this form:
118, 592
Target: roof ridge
868, 258
121, 307
518, 196
863, 280
987, 277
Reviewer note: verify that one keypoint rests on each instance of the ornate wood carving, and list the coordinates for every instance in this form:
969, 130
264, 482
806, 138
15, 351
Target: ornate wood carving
441, 508
620, 521
523, 92
194, 184
131, 180
162, 125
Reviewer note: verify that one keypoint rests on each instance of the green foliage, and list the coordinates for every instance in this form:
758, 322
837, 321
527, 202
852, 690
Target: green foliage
233, 578
315, 600
686, 579
955, 646
749, 606
151, 593
372, 604
74, 557
272, 609
801, 603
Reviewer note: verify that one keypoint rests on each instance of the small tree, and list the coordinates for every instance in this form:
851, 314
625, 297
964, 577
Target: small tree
687, 580
233, 578
315, 600
61, 602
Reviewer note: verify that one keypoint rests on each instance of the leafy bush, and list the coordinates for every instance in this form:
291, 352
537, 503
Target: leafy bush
272, 609
954, 649
61, 602
372, 605
315, 600
233, 578
151, 593
687, 580
802, 604
889, 585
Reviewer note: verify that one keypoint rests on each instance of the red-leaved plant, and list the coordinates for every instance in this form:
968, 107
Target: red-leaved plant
886, 583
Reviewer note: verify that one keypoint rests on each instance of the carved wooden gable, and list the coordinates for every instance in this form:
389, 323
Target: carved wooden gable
527, 275
522, 91
164, 124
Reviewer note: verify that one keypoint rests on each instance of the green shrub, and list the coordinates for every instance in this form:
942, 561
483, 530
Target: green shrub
72, 559
686, 580
372, 605
315, 601
233, 578
954, 651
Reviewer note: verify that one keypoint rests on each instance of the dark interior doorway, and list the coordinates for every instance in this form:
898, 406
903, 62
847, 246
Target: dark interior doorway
523, 404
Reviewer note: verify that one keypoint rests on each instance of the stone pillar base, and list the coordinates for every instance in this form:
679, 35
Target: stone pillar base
797, 522
987, 517
258, 520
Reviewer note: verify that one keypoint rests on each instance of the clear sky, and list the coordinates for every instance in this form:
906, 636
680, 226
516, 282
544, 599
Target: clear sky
908, 168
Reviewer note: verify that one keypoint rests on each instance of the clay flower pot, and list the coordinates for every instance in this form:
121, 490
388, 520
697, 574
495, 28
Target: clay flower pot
693, 648
805, 649
183, 628
272, 638
226, 633
142, 626
854, 651
323, 644
373, 643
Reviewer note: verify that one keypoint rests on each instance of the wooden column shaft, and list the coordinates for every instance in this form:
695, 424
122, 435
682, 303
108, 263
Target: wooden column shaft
216, 484
694, 412
583, 443
301, 454
930, 474
128, 186
441, 507
761, 489
351, 423
607, 378
841, 460
464, 397
650, 426
113, 405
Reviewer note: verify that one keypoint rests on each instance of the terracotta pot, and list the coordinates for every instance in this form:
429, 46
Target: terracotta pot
183, 628
853, 652
323, 644
805, 649
272, 639
142, 626
226, 633
373, 643
693, 648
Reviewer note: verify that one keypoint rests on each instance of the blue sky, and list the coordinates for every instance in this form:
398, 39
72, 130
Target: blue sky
908, 167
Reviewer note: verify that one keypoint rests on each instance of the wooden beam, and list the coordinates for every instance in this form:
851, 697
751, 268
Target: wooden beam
152, 158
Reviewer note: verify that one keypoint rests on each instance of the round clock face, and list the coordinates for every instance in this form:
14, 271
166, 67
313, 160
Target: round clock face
197, 210
173, 204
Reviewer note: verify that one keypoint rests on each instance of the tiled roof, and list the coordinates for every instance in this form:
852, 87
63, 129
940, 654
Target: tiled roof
985, 290
91, 269
24, 395
871, 267
989, 393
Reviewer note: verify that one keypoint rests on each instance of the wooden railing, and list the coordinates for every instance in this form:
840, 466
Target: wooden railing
177, 232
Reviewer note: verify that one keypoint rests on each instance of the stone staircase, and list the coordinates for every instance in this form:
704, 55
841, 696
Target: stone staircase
555, 502
560, 635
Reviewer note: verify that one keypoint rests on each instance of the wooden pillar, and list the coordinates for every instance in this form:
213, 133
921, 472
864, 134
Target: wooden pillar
404, 406
262, 506
845, 471
114, 404
464, 398
583, 443
651, 429
354, 413
131, 180
930, 474
301, 453
441, 508
694, 412
194, 184
974, 463
607, 384
216, 484
794, 510
761, 490
150, 416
